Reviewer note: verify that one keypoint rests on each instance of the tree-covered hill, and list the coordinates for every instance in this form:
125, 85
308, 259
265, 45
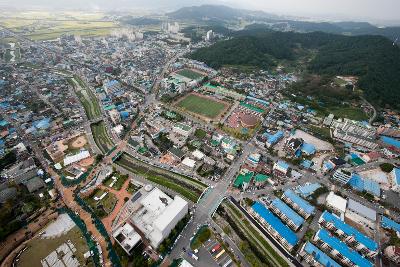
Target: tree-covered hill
373, 58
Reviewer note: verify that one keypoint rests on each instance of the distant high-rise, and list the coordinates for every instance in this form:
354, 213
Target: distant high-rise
209, 35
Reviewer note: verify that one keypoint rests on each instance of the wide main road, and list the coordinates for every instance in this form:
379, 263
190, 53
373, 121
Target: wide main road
209, 203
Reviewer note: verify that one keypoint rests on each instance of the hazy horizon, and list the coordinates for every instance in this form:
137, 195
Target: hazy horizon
384, 11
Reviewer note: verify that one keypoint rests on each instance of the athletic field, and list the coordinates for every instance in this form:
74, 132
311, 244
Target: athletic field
188, 73
202, 105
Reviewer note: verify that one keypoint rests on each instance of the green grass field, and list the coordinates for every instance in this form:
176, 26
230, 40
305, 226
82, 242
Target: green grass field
188, 73
87, 98
101, 137
203, 106
107, 203
38, 249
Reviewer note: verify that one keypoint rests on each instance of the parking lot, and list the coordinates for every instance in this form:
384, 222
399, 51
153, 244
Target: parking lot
217, 253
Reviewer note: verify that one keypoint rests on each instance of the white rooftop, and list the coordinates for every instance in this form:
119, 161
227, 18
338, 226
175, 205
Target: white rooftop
189, 162
127, 237
156, 201
362, 210
68, 160
170, 213
336, 202
198, 154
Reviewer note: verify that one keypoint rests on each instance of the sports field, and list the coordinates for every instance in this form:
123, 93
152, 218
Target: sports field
202, 105
101, 137
188, 73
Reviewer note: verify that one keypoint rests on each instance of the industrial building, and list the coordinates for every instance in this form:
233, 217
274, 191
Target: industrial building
274, 226
315, 257
348, 234
298, 204
286, 214
339, 250
360, 214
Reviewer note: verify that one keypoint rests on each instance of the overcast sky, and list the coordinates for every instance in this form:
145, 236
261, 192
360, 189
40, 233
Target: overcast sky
367, 10
388, 10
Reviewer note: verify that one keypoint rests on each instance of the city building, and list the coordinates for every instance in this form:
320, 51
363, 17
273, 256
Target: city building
342, 176
349, 235
339, 250
83, 154
360, 213
182, 129
274, 226
293, 145
127, 237
286, 214
315, 257
298, 204
337, 203
280, 169
155, 214
393, 254
272, 139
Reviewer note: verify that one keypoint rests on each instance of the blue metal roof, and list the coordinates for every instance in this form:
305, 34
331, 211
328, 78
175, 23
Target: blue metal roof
343, 249
283, 164
307, 190
299, 201
309, 149
273, 138
285, 209
390, 224
350, 231
397, 175
361, 184
390, 141
320, 256
275, 223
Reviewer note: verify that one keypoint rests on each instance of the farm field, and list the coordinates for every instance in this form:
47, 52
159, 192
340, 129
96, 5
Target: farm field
191, 74
202, 105
45, 26
101, 137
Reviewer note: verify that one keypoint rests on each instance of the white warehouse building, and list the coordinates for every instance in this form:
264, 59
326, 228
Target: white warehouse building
157, 214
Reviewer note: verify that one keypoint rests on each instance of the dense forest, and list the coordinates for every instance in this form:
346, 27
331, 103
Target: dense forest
374, 59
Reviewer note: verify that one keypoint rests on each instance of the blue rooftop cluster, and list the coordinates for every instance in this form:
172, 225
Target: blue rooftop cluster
304, 205
275, 223
285, 209
320, 256
343, 249
361, 184
390, 224
350, 231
